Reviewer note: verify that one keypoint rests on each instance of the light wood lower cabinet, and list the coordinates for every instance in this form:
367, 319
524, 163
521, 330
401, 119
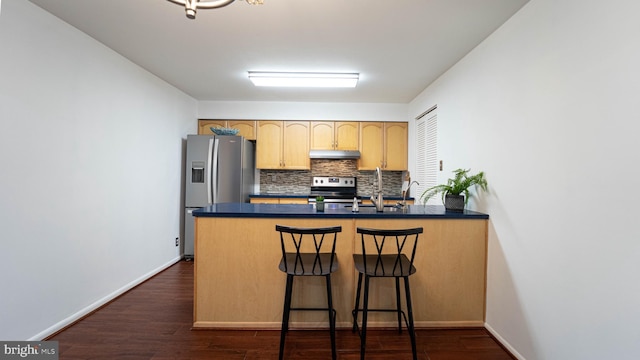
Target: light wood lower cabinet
238, 284
279, 201
394, 202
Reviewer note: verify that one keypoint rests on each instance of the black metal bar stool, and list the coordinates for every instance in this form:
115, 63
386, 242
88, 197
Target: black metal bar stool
297, 260
384, 254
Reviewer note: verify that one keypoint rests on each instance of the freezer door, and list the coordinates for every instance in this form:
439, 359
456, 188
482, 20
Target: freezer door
227, 169
198, 170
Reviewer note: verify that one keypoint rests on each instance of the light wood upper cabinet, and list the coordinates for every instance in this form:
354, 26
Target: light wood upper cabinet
334, 135
247, 127
321, 135
269, 145
396, 146
371, 145
383, 144
296, 145
283, 145
204, 126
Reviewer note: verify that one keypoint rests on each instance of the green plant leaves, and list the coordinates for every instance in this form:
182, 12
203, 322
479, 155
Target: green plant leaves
460, 184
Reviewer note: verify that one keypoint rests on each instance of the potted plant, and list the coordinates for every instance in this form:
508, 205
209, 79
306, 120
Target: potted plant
455, 193
320, 203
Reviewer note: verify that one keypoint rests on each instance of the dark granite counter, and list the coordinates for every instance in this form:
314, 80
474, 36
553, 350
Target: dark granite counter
246, 210
304, 196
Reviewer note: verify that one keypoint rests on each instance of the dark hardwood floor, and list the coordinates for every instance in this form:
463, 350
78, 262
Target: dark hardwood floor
153, 321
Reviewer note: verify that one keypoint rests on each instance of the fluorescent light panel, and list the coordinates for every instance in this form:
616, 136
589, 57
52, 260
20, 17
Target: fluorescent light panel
298, 79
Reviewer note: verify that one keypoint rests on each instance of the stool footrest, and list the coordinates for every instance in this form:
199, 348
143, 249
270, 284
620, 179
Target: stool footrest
356, 327
312, 309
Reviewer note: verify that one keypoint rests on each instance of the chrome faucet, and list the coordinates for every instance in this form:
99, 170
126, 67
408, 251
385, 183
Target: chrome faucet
404, 195
376, 199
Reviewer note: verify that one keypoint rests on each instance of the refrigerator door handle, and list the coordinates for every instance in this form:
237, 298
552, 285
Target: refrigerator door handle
214, 170
209, 172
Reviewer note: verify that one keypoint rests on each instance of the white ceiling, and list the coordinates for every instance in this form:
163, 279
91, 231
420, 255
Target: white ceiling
398, 46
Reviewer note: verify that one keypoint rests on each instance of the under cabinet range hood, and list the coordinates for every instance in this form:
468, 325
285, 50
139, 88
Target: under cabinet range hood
334, 154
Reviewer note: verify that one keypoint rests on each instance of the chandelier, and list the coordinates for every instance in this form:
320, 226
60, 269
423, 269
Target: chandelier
191, 6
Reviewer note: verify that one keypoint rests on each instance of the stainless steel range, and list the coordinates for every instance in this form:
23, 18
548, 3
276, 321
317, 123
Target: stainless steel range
334, 189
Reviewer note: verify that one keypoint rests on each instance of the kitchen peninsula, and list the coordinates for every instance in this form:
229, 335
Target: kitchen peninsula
238, 284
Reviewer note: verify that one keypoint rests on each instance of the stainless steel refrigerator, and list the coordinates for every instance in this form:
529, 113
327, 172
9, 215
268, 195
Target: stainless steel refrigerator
219, 169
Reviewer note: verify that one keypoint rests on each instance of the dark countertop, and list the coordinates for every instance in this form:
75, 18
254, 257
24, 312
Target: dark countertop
237, 210
304, 196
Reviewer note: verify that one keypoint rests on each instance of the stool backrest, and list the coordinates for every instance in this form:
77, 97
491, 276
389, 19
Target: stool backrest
308, 251
389, 252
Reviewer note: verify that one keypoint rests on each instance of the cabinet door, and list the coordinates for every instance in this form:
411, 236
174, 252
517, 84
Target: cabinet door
247, 128
322, 135
269, 145
346, 135
265, 201
371, 145
296, 145
395, 145
204, 126
293, 201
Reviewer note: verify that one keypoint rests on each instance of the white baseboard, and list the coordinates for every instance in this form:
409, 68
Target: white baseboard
504, 342
87, 310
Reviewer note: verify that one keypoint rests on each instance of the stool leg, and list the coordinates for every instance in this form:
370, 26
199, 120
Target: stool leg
365, 308
398, 307
332, 318
355, 309
412, 332
285, 314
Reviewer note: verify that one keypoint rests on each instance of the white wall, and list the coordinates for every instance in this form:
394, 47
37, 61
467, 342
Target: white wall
548, 106
301, 111
91, 163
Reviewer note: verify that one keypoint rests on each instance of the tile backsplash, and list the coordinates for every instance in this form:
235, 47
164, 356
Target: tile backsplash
299, 181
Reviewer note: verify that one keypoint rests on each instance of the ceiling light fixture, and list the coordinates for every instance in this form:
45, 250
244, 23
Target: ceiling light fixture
299, 79
191, 6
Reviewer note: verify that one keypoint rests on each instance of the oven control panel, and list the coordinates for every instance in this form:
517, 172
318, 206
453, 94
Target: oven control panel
331, 181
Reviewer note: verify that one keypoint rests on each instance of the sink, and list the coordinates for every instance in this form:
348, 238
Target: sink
372, 208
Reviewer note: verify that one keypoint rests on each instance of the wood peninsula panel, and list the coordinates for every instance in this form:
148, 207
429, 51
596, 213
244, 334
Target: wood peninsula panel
448, 288
238, 284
